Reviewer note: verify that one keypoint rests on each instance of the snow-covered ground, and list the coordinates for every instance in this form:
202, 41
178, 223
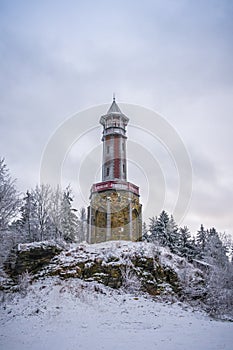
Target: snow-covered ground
72, 315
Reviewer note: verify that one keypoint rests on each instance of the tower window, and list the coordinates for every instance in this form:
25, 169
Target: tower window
108, 148
123, 146
107, 171
123, 168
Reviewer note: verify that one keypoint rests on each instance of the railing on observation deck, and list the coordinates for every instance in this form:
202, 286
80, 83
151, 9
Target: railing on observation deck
114, 185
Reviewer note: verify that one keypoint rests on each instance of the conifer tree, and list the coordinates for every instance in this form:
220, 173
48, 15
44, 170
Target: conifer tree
69, 221
153, 229
215, 251
162, 227
144, 231
9, 199
185, 244
27, 222
201, 238
172, 234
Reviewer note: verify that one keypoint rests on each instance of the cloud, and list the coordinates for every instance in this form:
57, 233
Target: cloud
176, 57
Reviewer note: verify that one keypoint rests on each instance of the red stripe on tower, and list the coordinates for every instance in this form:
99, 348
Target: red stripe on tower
116, 158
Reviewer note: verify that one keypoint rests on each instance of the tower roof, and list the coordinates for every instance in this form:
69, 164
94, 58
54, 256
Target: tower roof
114, 108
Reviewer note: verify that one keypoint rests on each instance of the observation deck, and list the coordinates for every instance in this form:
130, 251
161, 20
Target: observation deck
115, 185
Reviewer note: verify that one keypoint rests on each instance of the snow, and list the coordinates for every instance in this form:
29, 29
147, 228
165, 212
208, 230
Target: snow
42, 244
73, 314
120, 250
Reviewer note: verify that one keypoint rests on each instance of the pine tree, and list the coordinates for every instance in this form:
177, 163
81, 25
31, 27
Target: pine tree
172, 234
215, 251
161, 229
185, 243
9, 199
201, 240
153, 229
144, 232
69, 221
164, 230
27, 222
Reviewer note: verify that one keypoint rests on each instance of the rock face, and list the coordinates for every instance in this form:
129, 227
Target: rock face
130, 265
117, 264
30, 257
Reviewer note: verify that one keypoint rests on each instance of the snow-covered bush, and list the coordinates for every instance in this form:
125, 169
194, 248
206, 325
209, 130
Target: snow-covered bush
130, 281
219, 284
24, 281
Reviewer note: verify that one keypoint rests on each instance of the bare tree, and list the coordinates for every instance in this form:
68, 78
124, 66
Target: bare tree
41, 197
82, 225
55, 211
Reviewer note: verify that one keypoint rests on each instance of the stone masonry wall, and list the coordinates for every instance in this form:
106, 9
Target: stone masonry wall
114, 215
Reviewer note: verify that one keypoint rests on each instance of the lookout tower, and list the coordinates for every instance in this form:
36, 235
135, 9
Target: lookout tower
115, 211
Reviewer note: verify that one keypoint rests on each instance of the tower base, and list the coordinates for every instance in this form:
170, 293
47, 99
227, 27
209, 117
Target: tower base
114, 213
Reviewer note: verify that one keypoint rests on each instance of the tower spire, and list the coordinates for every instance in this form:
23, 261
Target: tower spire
114, 97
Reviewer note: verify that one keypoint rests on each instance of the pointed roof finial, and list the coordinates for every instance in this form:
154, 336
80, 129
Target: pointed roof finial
114, 110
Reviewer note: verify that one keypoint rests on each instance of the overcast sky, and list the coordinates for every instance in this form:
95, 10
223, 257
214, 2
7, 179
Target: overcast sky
175, 57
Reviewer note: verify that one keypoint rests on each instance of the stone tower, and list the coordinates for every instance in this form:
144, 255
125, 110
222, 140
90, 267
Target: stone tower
115, 211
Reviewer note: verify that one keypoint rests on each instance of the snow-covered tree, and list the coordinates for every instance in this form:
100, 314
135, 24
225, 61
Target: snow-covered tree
55, 212
201, 238
186, 246
158, 228
9, 207
27, 223
215, 251
163, 227
227, 241
69, 220
164, 230
219, 288
172, 234
153, 229
41, 197
47, 213
9, 200
144, 231
82, 225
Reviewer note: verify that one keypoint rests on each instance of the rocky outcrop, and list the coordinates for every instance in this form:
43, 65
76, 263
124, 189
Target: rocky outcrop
127, 265
30, 257
120, 264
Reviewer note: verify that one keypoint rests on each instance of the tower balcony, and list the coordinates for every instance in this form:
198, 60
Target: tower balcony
114, 131
115, 185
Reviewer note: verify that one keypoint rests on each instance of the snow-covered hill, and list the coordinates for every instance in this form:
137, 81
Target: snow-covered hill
113, 295
72, 314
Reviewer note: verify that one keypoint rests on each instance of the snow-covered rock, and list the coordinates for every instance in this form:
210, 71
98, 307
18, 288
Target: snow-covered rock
117, 264
31, 257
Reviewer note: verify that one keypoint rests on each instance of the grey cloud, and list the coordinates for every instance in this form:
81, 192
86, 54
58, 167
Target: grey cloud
59, 57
